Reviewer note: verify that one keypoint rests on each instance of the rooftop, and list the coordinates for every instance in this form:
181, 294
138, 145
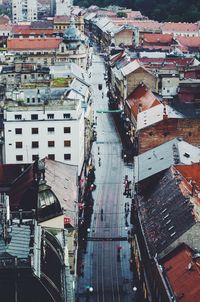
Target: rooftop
155, 114
162, 157
33, 43
142, 98
167, 212
182, 268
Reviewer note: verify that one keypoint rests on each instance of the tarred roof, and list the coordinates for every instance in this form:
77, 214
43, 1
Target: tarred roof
183, 273
34, 43
180, 27
142, 98
158, 38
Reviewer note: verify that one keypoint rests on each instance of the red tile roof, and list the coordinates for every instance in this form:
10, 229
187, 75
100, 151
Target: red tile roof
189, 41
142, 97
190, 173
5, 27
183, 273
167, 63
27, 30
61, 19
4, 19
158, 38
117, 57
143, 25
33, 44
180, 27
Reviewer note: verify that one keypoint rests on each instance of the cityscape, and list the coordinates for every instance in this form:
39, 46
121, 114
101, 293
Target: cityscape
99, 154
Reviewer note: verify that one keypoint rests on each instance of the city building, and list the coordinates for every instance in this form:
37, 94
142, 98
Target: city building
51, 127
24, 10
63, 7
48, 50
166, 217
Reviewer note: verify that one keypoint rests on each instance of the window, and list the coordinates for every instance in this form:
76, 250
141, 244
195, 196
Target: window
62, 49
67, 143
28, 100
34, 116
33, 100
50, 116
19, 157
34, 130
67, 156
18, 116
51, 130
51, 144
34, 157
18, 130
18, 145
67, 130
51, 156
35, 144
66, 115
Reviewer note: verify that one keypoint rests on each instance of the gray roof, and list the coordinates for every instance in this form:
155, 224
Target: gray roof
90, 16
68, 69
165, 214
72, 33
19, 244
63, 181
162, 157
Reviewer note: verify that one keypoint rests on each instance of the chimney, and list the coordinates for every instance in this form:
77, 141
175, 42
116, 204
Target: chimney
140, 108
193, 184
165, 115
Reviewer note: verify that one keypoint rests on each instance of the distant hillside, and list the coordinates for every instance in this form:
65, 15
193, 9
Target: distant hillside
161, 10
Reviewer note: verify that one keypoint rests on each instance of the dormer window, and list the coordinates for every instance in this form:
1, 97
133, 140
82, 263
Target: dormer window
50, 116
18, 116
66, 115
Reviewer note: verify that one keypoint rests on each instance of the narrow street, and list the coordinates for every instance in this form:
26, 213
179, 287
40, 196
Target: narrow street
107, 275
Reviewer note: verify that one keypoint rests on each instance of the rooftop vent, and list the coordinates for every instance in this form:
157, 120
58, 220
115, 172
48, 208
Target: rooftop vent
186, 155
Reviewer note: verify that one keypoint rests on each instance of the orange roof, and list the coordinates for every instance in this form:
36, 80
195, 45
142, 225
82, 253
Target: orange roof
188, 41
61, 19
143, 25
5, 26
190, 172
180, 27
29, 44
27, 30
142, 97
183, 273
158, 38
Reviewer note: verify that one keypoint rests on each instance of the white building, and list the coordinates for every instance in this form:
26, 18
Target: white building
63, 7
24, 10
54, 130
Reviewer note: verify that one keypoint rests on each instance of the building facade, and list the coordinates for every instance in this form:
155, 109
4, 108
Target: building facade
24, 10
48, 130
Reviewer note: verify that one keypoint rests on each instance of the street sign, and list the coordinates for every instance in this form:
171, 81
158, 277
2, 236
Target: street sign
108, 111
107, 239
